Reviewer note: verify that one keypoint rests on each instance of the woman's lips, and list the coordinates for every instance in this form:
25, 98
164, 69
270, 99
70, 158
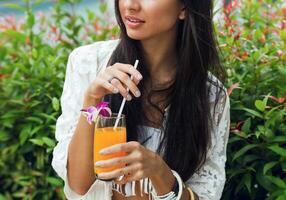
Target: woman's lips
133, 22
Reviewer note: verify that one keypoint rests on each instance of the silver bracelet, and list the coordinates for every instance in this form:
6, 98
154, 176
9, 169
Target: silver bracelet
171, 195
180, 183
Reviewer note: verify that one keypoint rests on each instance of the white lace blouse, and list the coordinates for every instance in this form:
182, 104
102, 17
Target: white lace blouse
83, 65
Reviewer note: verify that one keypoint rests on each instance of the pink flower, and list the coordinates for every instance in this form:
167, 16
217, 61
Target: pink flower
92, 112
103, 109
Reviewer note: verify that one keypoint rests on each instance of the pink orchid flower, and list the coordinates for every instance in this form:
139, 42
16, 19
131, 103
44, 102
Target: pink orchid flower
92, 113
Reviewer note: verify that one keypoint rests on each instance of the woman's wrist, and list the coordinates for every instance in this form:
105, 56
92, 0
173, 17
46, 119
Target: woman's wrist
164, 180
90, 100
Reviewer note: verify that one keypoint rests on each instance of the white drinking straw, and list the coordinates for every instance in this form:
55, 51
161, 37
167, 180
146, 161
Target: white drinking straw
124, 100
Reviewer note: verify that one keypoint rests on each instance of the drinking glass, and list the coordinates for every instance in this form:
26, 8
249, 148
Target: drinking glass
104, 136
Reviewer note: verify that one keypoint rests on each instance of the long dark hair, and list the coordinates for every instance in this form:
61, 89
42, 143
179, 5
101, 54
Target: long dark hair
186, 134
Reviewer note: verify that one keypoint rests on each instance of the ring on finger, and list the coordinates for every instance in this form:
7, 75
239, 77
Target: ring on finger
110, 79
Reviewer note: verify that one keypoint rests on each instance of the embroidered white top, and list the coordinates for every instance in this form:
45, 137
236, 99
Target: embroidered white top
84, 63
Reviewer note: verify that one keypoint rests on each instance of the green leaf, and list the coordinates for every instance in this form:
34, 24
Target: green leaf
35, 53
56, 104
37, 142
54, 181
243, 151
35, 119
280, 138
271, 111
2, 197
277, 181
246, 126
257, 34
282, 197
268, 166
48, 141
253, 112
4, 136
247, 182
282, 70
24, 134
263, 181
260, 105
30, 20
103, 7
36, 129
277, 149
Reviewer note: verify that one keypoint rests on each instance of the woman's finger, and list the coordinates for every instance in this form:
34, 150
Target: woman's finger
138, 175
116, 83
130, 169
123, 147
124, 79
108, 86
130, 158
130, 70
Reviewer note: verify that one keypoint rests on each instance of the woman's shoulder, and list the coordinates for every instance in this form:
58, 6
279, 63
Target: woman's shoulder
96, 48
92, 57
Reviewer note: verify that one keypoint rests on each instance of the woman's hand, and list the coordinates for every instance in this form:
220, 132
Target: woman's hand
114, 79
140, 163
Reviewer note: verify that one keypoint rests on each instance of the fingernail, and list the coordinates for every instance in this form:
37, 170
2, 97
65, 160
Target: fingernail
139, 77
128, 97
98, 176
115, 90
137, 93
97, 164
102, 152
120, 178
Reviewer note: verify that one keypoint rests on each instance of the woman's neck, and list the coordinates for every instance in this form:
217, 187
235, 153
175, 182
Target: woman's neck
160, 56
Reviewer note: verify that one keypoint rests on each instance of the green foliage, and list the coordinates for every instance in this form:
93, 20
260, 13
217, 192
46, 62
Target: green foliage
252, 41
33, 58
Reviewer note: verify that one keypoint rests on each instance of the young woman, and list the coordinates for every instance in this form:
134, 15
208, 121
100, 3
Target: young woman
177, 109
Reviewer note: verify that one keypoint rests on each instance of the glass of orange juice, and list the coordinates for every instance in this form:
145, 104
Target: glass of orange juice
104, 136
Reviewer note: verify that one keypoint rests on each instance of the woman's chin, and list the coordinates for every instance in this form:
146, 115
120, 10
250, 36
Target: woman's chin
135, 36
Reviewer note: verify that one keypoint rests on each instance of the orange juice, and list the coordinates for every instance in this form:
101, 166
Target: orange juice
105, 137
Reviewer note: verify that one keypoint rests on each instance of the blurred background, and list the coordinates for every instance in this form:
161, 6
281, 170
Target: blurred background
36, 37
7, 6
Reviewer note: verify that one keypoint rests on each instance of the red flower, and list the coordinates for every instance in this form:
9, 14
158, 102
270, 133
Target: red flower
54, 29
278, 100
234, 86
228, 8
237, 127
243, 56
2, 76
237, 36
284, 11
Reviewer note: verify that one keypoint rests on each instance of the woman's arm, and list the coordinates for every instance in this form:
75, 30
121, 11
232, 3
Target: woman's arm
164, 181
80, 154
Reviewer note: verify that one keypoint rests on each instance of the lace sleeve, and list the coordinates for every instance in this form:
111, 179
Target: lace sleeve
84, 63
208, 182
71, 102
